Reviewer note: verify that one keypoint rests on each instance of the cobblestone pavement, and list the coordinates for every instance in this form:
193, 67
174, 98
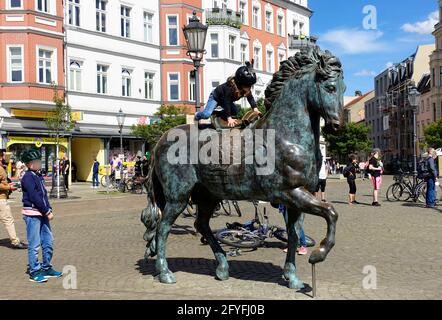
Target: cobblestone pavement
101, 236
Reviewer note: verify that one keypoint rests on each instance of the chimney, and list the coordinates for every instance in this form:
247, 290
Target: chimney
358, 93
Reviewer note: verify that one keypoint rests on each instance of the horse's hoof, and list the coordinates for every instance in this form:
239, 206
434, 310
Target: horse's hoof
167, 278
318, 255
296, 284
222, 274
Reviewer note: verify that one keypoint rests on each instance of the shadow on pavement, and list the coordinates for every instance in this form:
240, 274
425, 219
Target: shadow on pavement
242, 270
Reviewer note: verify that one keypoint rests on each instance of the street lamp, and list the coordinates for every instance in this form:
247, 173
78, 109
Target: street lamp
195, 34
413, 100
120, 119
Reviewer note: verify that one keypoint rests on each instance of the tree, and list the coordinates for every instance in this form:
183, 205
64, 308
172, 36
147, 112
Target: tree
59, 122
260, 105
433, 134
351, 138
170, 116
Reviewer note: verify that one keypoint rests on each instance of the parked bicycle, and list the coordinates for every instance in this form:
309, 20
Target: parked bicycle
253, 234
406, 187
224, 206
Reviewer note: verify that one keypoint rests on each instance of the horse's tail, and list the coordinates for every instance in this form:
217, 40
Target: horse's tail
151, 215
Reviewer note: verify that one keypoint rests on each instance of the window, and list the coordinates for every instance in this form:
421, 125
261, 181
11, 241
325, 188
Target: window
15, 4
243, 11
102, 79
281, 57
43, 5
243, 53
440, 76
257, 58
15, 64
45, 65
255, 18
172, 27
148, 27
75, 76
269, 21
301, 28
295, 27
174, 89
232, 41
192, 87
125, 21
74, 12
214, 45
126, 87
148, 85
280, 26
220, 4
269, 61
101, 15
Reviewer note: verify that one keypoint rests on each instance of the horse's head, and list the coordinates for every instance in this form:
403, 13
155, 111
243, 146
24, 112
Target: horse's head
316, 75
326, 97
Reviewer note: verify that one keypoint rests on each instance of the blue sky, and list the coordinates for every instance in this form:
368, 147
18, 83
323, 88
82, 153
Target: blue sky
401, 26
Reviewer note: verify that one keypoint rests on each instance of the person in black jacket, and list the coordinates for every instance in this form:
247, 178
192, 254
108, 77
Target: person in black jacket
350, 173
431, 179
226, 94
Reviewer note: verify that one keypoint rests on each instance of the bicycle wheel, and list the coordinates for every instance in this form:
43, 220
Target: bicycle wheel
137, 188
422, 193
122, 187
225, 204
237, 209
394, 192
238, 238
103, 181
281, 235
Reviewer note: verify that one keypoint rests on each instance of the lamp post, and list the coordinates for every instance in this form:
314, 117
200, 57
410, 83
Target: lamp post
413, 96
195, 34
120, 119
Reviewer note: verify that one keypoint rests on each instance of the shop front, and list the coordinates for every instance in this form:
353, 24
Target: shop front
16, 145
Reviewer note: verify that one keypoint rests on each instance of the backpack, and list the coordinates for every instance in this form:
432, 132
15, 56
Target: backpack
423, 170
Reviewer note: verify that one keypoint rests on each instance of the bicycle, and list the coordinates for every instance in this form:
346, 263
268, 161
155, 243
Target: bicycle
224, 205
253, 234
406, 187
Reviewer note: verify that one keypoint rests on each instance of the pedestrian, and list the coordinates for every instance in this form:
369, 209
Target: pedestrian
376, 169
37, 212
65, 169
320, 189
350, 173
95, 170
431, 179
138, 167
302, 246
5, 210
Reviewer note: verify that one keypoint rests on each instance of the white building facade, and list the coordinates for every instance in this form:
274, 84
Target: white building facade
112, 63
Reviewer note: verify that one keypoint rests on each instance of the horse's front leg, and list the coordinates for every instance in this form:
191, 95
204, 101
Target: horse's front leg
304, 201
293, 229
171, 212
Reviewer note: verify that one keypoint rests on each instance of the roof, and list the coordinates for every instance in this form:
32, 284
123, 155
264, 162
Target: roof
424, 84
356, 100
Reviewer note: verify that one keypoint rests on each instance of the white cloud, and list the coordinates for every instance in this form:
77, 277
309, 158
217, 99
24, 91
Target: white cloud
365, 73
389, 64
355, 41
422, 27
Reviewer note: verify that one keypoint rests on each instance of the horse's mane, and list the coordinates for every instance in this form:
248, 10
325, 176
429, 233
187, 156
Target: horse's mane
325, 64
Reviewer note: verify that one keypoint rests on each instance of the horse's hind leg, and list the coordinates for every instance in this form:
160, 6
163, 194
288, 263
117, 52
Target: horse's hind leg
290, 265
306, 202
205, 211
170, 213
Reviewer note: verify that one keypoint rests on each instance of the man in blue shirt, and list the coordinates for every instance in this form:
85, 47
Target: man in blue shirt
431, 179
95, 170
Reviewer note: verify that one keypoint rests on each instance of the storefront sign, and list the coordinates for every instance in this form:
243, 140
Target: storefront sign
38, 142
37, 114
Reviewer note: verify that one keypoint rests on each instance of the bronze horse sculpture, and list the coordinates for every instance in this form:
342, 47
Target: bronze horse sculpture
308, 86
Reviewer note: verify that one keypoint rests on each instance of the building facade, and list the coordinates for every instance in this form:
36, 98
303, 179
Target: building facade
32, 70
112, 63
354, 111
435, 98
107, 55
